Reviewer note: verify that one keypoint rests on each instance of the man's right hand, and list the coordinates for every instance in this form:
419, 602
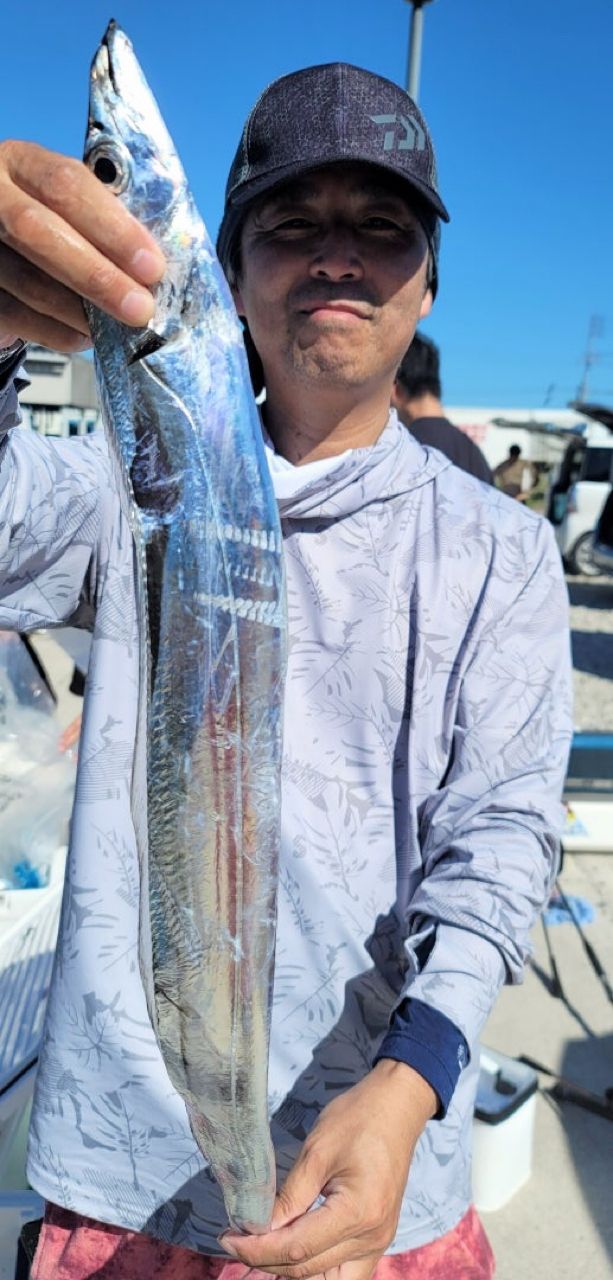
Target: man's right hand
64, 237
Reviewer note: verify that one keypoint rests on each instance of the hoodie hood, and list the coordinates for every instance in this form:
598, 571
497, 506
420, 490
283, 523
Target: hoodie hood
395, 464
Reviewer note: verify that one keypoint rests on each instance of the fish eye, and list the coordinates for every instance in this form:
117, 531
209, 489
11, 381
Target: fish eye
110, 167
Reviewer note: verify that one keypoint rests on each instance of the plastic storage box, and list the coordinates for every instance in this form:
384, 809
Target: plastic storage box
28, 929
503, 1129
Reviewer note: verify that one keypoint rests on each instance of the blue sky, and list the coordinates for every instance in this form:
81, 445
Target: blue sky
516, 92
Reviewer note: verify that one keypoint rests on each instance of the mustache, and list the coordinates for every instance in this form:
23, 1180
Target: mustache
319, 293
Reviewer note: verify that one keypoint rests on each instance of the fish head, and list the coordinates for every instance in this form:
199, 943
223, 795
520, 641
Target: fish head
130, 151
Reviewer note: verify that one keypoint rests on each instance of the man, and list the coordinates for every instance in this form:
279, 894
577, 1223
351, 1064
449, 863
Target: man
426, 721
417, 399
516, 477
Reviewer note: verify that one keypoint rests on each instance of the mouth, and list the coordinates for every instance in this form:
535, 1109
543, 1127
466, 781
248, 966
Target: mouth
108, 41
340, 308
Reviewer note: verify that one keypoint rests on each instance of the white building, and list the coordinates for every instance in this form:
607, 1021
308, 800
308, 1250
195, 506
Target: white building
61, 399
542, 434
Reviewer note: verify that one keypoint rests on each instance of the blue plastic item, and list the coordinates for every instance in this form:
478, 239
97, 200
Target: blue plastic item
558, 913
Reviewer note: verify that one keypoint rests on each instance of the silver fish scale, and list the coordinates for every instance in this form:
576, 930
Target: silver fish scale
193, 476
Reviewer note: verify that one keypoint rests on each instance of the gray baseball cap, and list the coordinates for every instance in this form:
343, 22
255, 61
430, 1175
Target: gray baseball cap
327, 115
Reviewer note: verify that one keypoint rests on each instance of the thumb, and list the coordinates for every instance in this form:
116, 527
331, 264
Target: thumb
301, 1188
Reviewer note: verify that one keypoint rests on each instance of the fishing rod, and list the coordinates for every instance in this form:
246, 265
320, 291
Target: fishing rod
565, 1090
556, 987
600, 972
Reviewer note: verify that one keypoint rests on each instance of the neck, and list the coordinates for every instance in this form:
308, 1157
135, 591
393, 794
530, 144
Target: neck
424, 406
309, 424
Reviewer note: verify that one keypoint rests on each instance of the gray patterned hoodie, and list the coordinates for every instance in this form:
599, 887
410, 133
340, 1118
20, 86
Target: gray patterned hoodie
426, 736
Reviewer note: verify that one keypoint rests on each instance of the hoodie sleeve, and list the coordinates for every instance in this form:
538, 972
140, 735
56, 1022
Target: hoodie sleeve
49, 518
490, 834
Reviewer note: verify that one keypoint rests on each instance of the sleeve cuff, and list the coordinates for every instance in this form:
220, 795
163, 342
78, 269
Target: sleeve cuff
431, 1044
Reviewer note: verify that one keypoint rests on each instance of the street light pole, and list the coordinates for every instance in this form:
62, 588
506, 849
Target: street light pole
415, 39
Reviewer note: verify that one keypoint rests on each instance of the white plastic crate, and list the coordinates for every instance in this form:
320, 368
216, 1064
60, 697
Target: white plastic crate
503, 1129
28, 931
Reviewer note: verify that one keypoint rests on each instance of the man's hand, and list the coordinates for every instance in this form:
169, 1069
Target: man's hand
64, 237
357, 1156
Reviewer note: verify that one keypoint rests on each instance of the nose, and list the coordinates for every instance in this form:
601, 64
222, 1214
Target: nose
337, 256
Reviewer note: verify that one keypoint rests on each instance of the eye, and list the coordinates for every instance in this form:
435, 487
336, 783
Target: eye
110, 164
376, 222
294, 224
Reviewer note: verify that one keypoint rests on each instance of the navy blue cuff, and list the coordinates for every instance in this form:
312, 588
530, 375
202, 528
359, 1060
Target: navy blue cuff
430, 1043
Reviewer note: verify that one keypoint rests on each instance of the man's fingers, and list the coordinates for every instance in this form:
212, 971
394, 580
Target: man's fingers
45, 239
303, 1184
332, 1262
362, 1269
316, 1240
29, 285
17, 318
76, 232
68, 188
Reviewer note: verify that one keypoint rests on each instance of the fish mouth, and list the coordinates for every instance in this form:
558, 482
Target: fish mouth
103, 69
112, 34
113, 56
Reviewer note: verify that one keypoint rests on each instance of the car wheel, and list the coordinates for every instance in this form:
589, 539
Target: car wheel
581, 558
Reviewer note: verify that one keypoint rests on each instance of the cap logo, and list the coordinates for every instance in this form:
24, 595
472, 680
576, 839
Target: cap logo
411, 137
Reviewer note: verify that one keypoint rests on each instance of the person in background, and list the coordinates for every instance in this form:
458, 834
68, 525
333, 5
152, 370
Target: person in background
515, 476
417, 399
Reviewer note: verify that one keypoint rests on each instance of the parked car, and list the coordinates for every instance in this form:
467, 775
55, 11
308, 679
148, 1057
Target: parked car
602, 551
578, 496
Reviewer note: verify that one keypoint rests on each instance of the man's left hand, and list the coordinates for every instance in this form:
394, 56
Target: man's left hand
357, 1156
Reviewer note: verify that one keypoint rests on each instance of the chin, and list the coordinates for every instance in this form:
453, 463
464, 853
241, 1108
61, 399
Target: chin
329, 369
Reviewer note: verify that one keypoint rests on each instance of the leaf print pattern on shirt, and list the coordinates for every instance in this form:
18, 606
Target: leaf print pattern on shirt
427, 723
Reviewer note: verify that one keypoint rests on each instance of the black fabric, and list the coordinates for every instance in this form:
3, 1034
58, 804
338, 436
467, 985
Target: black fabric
10, 361
441, 434
28, 1242
321, 115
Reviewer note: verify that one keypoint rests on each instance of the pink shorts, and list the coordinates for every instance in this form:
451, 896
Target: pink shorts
72, 1247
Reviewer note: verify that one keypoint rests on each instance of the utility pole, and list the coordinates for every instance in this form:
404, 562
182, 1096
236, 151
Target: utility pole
595, 330
415, 40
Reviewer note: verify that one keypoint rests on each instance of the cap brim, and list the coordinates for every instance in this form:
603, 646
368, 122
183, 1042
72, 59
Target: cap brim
249, 190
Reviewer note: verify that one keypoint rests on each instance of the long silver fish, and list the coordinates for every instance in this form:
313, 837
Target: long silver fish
183, 428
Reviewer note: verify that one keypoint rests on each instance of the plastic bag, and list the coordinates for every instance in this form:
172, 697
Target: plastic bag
36, 778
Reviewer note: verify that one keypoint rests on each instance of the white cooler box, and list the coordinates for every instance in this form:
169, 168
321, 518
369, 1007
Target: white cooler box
28, 930
503, 1129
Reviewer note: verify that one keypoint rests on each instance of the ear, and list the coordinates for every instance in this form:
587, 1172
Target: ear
238, 301
396, 397
427, 303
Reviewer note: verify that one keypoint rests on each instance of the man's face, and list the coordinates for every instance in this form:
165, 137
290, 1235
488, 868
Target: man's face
333, 278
